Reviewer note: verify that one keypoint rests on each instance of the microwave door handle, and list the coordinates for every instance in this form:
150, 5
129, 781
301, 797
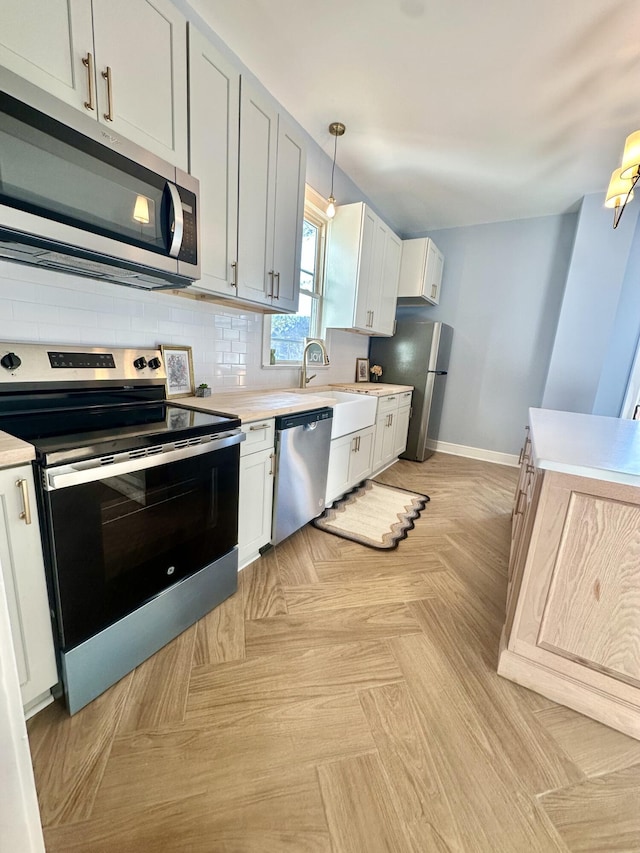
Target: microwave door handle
178, 220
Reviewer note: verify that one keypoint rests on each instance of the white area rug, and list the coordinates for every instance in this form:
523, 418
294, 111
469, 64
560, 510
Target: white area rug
373, 514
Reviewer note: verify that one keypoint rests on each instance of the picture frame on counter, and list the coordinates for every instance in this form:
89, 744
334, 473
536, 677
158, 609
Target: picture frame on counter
178, 363
362, 369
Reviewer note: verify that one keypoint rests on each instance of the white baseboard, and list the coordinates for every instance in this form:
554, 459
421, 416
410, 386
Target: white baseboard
475, 453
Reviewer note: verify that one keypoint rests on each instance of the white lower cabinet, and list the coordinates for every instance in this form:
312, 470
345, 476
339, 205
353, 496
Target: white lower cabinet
22, 567
392, 426
349, 462
256, 489
400, 429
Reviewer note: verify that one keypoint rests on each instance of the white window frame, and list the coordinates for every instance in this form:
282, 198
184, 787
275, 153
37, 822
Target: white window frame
314, 212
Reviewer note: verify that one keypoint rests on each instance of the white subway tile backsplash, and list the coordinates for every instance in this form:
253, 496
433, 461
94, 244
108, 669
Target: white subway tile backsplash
37, 305
34, 312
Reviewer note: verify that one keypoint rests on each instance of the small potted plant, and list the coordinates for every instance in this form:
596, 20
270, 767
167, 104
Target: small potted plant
203, 390
376, 372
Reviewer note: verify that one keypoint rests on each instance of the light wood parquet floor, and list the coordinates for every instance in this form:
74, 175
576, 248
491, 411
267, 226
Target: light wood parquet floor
345, 700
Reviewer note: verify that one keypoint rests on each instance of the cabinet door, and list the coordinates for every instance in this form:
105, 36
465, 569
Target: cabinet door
385, 320
289, 213
363, 312
144, 45
22, 569
381, 422
591, 611
339, 464
362, 453
46, 42
433, 273
376, 275
258, 144
214, 109
255, 504
400, 430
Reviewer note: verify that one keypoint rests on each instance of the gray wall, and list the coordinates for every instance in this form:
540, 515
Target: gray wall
502, 290
599, 319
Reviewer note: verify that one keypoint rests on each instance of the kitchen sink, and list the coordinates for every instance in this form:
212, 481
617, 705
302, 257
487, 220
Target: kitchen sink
351, 412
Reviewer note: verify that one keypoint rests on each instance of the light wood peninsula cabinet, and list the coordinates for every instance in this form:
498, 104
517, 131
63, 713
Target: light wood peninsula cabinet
572, 629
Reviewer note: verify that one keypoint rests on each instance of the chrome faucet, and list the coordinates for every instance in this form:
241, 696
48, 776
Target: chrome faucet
304, 379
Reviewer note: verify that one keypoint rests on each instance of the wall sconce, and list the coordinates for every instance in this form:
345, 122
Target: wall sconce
624, 179
336, 129
141, 210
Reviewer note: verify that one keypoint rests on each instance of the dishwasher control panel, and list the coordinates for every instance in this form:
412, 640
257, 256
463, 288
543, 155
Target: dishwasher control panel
303, 418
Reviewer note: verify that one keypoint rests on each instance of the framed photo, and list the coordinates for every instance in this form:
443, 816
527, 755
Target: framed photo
178, 363
362, 369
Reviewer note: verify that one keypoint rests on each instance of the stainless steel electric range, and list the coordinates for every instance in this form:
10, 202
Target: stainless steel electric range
138, 503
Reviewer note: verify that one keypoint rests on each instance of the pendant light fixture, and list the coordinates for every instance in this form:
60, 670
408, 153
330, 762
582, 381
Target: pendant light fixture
336, 129
624, 179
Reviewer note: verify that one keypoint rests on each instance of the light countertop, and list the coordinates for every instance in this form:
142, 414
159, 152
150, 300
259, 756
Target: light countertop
269, 403
14, 451
586, 445
375, 389
255, 405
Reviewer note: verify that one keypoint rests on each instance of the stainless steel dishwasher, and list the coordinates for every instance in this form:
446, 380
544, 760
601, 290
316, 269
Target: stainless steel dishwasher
302, 458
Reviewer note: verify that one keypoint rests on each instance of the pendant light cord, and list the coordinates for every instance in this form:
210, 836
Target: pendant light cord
333, 167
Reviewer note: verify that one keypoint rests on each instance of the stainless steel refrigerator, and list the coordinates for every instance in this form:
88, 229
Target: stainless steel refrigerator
418, 355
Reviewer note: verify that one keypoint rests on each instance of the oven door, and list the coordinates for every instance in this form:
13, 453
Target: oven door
121, 534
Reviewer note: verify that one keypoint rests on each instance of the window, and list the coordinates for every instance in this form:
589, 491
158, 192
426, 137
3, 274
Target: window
285, 333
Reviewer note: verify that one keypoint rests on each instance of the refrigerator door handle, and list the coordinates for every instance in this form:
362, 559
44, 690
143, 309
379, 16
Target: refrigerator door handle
438, 372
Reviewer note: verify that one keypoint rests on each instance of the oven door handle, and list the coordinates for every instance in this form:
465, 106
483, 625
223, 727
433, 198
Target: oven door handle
64, 476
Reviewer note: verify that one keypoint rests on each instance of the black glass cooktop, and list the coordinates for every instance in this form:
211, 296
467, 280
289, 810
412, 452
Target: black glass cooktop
66, 429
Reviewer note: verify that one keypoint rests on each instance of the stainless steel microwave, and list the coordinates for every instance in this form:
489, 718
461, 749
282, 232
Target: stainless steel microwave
75, 197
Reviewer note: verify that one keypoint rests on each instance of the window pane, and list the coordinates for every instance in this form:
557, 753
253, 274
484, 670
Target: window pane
306, 281
288, 331
309, 246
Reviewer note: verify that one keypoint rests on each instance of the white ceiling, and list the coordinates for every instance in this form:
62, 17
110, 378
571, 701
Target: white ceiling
457, 111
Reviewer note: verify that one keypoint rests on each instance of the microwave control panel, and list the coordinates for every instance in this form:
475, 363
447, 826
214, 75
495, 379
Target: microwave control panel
189, 248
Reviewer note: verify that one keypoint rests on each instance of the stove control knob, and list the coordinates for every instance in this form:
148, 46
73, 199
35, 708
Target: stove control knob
139, 363
10, 361
155, 363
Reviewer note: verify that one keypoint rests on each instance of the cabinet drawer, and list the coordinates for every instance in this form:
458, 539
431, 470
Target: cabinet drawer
260, 435
388, 404
404, 399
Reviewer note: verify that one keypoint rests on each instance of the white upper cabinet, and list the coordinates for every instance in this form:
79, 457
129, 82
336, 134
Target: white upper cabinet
289, 213
142, 46
46, 42
420, 271
214, 98
272, 166
258, 148
125, 64
363, 264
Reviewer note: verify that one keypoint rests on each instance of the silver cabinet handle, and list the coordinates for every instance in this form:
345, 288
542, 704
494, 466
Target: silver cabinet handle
87, 61
107, 76
234, 274
272, 456
391, 421
277, 278
373, 314
178, 220
271, 288
25, 515
258, 426
354, 444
